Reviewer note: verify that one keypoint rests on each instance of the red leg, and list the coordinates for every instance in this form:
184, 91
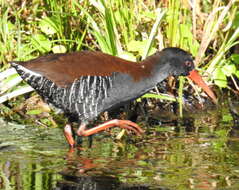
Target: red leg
125, 124
68, 134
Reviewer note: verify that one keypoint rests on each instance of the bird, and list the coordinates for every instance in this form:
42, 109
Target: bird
86, 83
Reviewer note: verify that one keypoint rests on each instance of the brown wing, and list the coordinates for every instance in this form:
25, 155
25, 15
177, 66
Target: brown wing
63, 69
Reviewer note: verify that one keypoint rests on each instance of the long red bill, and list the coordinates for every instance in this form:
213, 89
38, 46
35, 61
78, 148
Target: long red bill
195, 77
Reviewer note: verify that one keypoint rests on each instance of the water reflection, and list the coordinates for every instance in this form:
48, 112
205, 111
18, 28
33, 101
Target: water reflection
24, 175
195, 153
95, 183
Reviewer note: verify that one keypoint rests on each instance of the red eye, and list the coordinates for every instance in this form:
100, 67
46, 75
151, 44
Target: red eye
188, 63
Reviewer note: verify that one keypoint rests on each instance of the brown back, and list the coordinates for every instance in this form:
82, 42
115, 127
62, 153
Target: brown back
63, 69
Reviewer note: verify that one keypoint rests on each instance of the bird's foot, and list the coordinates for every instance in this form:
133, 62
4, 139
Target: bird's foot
125, 124
69, 136
82, 131
70, 139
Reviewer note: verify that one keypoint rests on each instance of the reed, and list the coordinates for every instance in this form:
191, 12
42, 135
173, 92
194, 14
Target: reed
128, 29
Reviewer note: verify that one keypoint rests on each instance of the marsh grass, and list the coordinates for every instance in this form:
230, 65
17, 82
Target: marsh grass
128, 29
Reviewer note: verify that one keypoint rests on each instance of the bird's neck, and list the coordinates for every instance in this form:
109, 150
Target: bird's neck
158, 67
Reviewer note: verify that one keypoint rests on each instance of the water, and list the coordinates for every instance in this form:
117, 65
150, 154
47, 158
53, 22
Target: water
200, 152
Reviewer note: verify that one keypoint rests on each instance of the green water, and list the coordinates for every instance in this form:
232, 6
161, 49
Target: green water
197, 154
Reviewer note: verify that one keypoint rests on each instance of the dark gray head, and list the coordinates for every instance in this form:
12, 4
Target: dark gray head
180, 61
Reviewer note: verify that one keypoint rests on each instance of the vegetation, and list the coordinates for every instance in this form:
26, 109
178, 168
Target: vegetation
200, 155
128, 29
176, 157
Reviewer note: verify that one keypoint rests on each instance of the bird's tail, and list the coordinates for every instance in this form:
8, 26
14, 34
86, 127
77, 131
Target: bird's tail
24, 72
15, 63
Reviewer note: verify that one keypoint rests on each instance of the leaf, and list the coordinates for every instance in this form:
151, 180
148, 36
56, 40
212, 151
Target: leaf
220, 78
25, 50
59, 49
235, 58
139, 46
135, 45
127, 56
160, 96
111, 31
40, 42
229, 69
34, 112
10, 26
48, 26
227, 118
142, 163
149, 14
237, 74
46, 121
236, 21
104, 46
147, 49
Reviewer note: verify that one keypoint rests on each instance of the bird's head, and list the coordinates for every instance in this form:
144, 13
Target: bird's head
181, 64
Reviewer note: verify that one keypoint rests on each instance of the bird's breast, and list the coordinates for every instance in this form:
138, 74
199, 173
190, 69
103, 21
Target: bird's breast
125, 88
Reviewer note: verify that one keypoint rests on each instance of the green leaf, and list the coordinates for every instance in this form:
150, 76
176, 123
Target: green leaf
46, 121
220, 78
237, 73
48, 26
153, 33
10, 26
149, 14
34, 112
127, 56
139, 46
40, 42
25, 50
159, 96
104, 46
221, 133
59, 49
235, 23
235, 58
135, 45
227, 118
111, 31
142, 163
229, 69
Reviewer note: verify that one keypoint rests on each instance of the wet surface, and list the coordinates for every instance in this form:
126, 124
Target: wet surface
199, 152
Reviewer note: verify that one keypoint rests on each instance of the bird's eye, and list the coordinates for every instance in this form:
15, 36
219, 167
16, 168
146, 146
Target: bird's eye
188, 63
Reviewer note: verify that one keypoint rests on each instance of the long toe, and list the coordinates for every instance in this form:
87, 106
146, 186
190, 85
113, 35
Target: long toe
127, 127
130, 123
